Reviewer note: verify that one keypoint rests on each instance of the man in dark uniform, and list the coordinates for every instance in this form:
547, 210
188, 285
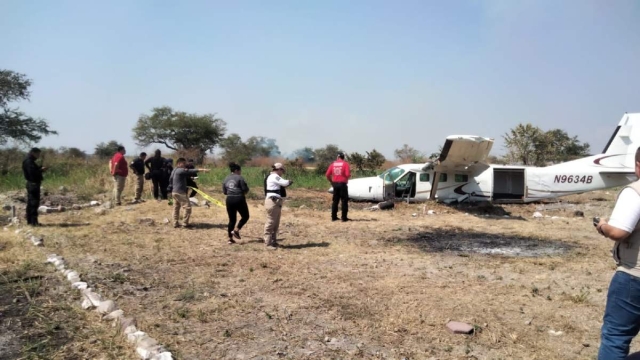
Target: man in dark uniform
33, 174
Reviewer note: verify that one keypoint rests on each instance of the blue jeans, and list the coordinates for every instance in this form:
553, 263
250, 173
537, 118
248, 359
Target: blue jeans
621, 317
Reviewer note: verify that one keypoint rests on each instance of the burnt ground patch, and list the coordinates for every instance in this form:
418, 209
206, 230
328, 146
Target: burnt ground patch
461, 241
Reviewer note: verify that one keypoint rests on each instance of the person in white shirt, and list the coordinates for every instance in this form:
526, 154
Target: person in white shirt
274, 188
621, 321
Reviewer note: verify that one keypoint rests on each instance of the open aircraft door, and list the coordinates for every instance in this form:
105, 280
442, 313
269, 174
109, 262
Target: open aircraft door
388, 187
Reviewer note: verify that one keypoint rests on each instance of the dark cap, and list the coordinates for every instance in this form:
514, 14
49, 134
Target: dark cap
341, 155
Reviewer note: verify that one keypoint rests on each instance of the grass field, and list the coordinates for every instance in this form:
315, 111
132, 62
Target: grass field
87, 178
380, 287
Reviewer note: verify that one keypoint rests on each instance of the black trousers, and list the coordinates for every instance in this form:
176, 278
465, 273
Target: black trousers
235, 205
340, 194
192, 183
159, 184
33, 202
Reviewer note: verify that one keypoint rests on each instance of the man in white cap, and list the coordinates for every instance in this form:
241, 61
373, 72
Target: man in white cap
274, 188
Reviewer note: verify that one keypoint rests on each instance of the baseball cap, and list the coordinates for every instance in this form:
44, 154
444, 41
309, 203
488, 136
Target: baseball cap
277, 166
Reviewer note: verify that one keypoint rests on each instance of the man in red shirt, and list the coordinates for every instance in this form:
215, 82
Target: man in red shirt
119, 170
338, 174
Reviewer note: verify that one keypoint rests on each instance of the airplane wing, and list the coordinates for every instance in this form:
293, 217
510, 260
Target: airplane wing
461, 153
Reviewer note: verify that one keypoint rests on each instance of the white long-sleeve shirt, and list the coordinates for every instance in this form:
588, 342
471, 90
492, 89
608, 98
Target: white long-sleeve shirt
275, 182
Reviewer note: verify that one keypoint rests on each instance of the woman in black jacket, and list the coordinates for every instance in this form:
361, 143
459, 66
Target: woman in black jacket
235, 188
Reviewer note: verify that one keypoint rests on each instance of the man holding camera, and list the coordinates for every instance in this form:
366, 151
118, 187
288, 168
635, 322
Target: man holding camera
621, 321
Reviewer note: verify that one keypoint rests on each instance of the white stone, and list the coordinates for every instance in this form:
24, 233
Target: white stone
133, 338
537, 214
73, 275
91, 296
79, 285
163, 356
130, 329
106, 307
431, 212
86, 304
113, 315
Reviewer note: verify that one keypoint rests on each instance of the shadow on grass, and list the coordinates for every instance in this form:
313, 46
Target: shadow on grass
305, 246
459, 241
65, 225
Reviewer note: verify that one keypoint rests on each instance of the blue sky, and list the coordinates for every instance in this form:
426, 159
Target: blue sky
359, 74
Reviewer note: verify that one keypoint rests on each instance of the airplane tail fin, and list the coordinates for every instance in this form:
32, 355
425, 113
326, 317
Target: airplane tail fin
625, 140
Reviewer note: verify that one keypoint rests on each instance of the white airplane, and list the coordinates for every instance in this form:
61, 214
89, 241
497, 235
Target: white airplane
460, 173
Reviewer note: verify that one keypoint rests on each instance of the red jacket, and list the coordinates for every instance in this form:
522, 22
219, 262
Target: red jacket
339, 172
118, 165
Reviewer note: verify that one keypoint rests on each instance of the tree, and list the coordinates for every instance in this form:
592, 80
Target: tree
523, 144
374, 160
305, 154
178, 130
14, 124
436, 155
325, 156
107, 150
408, 154
234, 149
357, 160
263, 147
72, 152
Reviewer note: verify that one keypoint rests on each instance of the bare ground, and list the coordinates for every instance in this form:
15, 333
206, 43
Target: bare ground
381, 286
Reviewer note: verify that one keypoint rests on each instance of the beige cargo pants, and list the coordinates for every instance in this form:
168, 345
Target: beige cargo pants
274, 209
118, 187
181, 201
139, 186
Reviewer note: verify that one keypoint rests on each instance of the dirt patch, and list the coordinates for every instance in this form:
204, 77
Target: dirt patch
464, 241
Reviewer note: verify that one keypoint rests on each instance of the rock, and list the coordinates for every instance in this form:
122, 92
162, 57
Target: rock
94, 298
386, 205
165, 355
94, 203
114, 315
555, 333
537, 214
146, 221
127, 324
457, 327
165, 221
106, 307
414, 214
528, 322
101, 211
108, 205
431, 212
62, 189
37, 241
79, 285
86, 304
578, 213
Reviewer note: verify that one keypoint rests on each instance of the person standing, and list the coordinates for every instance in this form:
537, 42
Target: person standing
235, 187
137, 166
155, 164
178, 185
33, 175
119, 170
621, 321
338, 175
274, 188
191, 179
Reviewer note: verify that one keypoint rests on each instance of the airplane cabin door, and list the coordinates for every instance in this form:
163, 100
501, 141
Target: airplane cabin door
389, 187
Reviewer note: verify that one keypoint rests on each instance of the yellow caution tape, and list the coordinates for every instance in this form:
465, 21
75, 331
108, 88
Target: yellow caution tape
207, 197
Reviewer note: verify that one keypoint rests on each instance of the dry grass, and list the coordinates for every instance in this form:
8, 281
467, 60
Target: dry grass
382, 286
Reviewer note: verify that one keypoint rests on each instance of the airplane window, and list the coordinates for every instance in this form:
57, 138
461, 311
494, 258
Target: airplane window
461, 178
424, 177
443, 177
393, 173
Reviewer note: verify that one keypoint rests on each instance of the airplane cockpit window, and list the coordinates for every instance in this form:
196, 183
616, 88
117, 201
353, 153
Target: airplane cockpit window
393, 174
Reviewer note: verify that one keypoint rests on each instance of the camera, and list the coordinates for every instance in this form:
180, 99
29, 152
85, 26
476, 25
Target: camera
596, 221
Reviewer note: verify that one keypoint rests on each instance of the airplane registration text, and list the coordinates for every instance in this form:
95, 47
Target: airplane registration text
573, 179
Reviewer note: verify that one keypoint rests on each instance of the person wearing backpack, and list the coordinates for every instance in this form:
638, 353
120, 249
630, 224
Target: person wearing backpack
119, 171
